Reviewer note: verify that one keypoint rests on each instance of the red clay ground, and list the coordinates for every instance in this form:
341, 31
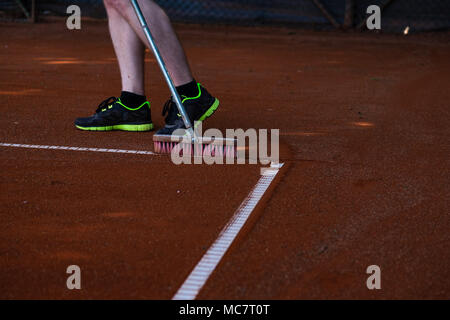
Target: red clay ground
365, 117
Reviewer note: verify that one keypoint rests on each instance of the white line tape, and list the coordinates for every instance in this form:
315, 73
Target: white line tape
205, 267
37, 146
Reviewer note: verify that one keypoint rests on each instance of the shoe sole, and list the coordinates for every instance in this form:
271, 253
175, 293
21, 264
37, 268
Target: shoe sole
121, 127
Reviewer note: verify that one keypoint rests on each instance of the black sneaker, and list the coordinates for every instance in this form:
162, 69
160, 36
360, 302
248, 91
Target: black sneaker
112, 114
197, 108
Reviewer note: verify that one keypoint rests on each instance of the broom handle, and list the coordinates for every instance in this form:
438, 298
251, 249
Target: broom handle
162, 66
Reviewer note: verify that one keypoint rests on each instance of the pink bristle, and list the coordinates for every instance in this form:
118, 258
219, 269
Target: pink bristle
196, 149
217, 151
188, 148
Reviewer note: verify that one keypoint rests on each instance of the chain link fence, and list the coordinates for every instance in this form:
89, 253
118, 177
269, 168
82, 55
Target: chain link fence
418, 15
18, 10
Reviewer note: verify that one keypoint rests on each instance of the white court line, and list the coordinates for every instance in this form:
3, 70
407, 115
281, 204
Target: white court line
205, 267
38, 146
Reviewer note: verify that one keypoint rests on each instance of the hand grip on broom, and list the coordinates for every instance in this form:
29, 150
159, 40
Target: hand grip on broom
162, 66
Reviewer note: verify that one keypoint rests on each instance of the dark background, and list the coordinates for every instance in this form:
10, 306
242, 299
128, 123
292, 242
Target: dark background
419, 15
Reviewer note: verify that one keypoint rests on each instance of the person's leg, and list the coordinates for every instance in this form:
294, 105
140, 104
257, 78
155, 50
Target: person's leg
161, 28
130, 112
115, 115
129, 51
199, 104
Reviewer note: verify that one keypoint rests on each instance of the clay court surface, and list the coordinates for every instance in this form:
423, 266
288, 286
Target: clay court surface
366, 181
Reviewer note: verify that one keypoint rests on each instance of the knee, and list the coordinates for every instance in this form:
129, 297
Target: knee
119, 5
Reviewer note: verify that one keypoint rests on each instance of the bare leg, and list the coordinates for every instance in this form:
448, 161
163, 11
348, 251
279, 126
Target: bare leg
122, 20
129, 42
129, 52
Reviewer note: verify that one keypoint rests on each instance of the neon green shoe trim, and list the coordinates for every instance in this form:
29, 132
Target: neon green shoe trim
210, 111
106, 128
123, 127
133, 109
192, 98
134, 127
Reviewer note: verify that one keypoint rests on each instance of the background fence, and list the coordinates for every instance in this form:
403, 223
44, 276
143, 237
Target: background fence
419, 15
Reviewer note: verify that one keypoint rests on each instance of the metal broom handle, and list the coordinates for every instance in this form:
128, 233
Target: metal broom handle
162, 65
